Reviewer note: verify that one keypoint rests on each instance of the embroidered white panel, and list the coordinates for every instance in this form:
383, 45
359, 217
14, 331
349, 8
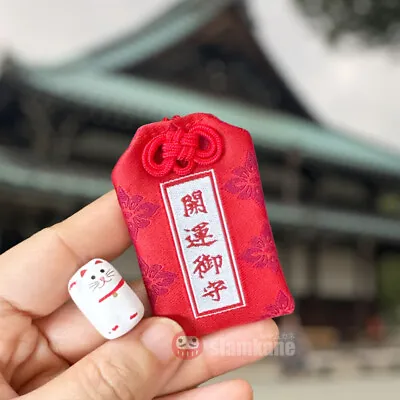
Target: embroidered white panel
203, 243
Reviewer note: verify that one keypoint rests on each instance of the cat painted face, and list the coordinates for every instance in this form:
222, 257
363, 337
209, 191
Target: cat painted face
100, 276
105, 298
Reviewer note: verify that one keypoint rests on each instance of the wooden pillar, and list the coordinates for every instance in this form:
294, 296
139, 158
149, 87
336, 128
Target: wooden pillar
290, 195
40, 122
2, 249
291, 184
66, 133
365, 264
313, 252
378, 277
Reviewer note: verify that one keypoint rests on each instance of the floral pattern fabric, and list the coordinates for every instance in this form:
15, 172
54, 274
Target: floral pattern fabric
137, 212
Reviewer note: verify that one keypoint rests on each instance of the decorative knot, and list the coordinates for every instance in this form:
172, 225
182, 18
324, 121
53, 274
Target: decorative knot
180, 149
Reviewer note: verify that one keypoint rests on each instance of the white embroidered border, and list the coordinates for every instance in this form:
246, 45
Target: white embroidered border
233, 270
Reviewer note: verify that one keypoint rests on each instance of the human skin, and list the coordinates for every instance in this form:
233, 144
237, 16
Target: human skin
48, 350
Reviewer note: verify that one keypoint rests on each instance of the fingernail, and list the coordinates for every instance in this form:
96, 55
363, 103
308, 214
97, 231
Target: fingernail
158, 338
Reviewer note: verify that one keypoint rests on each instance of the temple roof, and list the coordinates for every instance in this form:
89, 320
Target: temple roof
170, 28
130, 97
91, 81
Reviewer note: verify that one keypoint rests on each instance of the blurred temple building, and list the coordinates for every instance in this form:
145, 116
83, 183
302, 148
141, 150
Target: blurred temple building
333, 201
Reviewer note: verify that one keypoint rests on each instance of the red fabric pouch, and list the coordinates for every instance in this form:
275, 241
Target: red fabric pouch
191, 195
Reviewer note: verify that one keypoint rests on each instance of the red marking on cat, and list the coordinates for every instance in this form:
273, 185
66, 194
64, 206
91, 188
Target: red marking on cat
133, 316
72, 285
98, 262
121, 282
83, 272
115, 328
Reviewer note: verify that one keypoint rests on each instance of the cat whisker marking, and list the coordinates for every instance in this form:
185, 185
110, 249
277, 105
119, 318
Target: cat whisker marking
94, 285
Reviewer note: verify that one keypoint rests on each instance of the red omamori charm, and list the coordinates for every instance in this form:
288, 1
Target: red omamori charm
188, 188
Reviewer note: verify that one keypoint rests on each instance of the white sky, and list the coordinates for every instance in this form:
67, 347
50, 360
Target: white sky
350, 88
51, 31
355, 89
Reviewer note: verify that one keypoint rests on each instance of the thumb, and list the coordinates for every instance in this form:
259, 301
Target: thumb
135, 366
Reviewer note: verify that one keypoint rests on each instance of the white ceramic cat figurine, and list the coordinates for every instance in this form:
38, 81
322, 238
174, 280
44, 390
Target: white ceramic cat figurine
105, 299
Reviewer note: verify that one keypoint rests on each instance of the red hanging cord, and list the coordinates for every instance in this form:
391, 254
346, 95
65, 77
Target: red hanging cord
181, 149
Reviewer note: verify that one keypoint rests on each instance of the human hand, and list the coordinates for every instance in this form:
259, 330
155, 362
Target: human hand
48, 350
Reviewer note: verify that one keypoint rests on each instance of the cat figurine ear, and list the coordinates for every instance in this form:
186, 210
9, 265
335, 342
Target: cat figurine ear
106, 300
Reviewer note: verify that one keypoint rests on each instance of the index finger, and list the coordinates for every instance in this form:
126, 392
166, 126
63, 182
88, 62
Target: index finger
35, 273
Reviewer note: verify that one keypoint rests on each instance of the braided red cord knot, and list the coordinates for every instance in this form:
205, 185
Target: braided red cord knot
182, 150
